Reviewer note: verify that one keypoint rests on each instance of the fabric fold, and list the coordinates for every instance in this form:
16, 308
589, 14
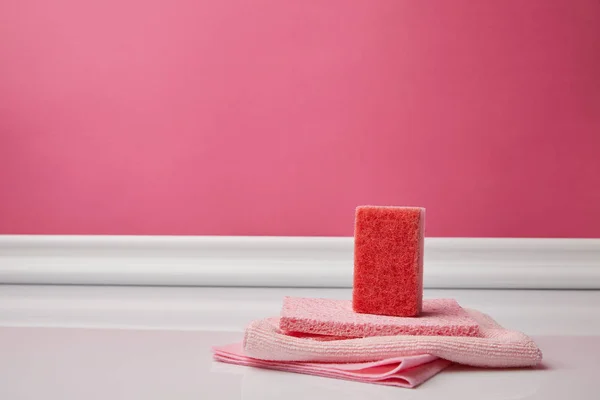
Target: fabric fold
496, 346
407, 372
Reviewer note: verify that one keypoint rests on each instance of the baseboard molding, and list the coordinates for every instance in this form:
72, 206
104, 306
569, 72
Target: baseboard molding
482, 263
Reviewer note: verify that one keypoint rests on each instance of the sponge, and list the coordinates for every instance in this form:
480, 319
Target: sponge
335, 318
388, 260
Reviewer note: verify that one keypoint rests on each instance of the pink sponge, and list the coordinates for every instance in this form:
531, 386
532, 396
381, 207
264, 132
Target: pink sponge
388, 260
440, 317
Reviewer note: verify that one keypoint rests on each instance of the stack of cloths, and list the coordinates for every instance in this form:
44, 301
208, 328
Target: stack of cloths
326, 338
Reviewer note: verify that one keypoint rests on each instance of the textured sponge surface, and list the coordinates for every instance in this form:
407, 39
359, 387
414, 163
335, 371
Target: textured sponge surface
388, 260
440, 317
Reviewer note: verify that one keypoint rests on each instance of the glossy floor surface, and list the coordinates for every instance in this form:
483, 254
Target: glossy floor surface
54, 363
100, 356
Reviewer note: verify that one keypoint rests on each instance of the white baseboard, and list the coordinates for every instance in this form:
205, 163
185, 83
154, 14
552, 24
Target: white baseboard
289, 261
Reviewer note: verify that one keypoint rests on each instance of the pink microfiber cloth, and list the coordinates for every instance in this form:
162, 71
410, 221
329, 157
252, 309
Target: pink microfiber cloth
440, 317
398, 371
496, 346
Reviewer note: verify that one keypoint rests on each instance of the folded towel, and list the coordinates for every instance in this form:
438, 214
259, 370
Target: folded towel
336, 318
496, 346
397, 371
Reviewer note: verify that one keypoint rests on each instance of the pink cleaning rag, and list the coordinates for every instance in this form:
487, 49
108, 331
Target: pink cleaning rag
439, 317
495, 347
397, 371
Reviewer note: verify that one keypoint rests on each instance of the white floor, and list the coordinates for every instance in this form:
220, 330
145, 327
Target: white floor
537, 312
71, 342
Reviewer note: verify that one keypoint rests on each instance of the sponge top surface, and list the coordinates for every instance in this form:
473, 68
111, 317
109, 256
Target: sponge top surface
440, 317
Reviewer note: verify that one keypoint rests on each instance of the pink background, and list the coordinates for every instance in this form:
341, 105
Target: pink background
271, 117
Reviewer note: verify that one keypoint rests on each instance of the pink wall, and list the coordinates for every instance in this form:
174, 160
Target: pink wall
273, 117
